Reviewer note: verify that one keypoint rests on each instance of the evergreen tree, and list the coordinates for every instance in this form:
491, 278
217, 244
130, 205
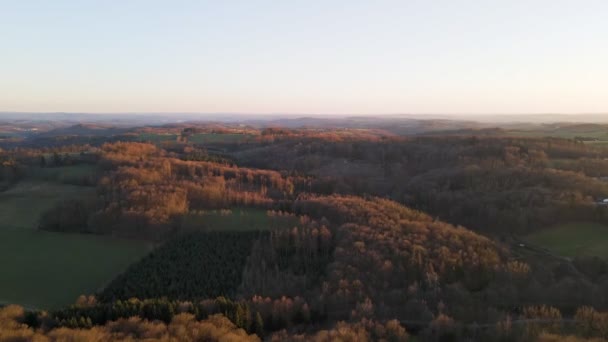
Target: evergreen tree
258, 325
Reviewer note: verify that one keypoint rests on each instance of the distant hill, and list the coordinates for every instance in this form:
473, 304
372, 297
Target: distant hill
89, 129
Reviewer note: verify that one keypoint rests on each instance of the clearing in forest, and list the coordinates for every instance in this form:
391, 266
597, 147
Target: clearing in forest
211, 138
574, 239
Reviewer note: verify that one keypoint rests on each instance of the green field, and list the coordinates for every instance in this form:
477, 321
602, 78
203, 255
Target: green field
574, 239
157, 137
47, 270
565, 132
238, 220
198, 138
65, 174
599, 143
43, 269
214, 138
22, 204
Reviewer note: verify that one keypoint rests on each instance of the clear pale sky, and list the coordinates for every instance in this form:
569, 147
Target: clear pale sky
342, 57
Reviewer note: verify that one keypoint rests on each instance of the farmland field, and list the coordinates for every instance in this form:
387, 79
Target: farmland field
574, 239
46, 270
565, 132
43, 269
74, 174
198, 138
210, 138
157, 137
21, 205
598, 143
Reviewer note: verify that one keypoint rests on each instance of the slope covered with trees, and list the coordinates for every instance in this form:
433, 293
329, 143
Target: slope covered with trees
146, 191
496, 185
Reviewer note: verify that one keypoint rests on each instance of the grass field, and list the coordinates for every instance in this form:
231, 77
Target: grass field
599, 143
574, 239
211, 138
49, 156
560, 134
44, 270
21, 205
238, 220
565, 132
199, 138
47, 270
157, 137
65, 174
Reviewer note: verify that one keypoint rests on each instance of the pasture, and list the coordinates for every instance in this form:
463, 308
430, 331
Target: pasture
48, 270
574, 239
215, 138
589, 131
598, 143
157, 137
74, 174
43, 269
198, 138
22, 204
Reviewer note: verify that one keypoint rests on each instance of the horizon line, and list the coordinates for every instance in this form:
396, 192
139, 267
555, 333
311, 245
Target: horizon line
301, 114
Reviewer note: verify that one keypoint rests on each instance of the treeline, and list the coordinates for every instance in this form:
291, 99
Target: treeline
20, 163
366, 330
209, 320
258, 315
136, 320
278, 134
181, 327
63, 142
87, 313
190, 153
31, 155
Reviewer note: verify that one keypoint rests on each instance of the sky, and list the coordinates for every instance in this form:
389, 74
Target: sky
331, 56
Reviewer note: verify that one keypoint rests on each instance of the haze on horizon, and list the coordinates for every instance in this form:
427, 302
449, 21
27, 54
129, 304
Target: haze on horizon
343, 57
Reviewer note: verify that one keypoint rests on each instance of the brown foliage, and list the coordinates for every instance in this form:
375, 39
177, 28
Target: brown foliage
183, 327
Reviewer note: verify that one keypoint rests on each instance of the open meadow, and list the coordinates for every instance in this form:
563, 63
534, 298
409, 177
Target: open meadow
23, 203
157, 137
211, 138
49, 270
574, 239
594, 134
43, 269
75, 174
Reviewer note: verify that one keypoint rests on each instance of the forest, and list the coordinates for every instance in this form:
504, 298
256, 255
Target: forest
297, 234
193, 266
